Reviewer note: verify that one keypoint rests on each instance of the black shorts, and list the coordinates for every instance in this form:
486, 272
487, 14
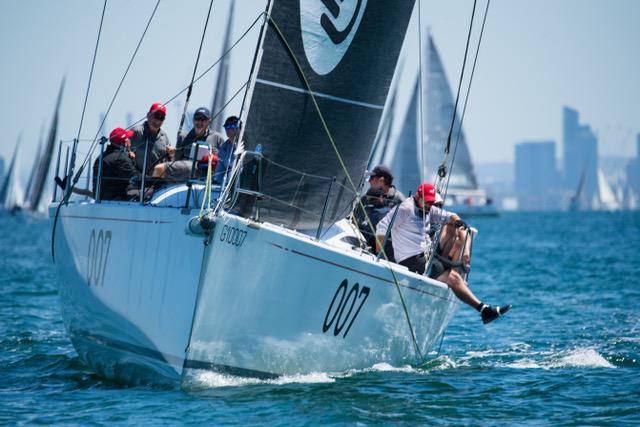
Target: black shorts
437, 268
418, 264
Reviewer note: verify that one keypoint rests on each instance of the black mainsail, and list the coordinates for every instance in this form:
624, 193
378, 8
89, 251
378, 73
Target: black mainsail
45, 159
347, 51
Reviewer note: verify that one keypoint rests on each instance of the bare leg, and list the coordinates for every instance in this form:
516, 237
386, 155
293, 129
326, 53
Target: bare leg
459, 287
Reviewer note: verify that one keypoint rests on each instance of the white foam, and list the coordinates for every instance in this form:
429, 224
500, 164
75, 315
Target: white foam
575, 358
582, 358
206, 379
385, 367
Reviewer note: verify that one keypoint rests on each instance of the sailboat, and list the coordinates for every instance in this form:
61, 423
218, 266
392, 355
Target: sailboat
12, 193
41, 174
464, 195
606, 198
266, 281
577, 199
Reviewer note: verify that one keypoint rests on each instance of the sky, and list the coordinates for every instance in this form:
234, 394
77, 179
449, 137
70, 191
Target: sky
535, 57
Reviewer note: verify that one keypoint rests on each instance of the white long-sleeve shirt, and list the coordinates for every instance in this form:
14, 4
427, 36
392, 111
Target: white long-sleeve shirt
409, 233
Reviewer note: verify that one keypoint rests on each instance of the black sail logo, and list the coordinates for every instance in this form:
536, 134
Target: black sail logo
328, 28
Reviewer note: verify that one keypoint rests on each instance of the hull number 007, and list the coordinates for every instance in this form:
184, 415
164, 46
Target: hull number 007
340, 311
99, 244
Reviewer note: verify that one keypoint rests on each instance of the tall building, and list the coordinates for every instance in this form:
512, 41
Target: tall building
536, 176
580, 155
633, 170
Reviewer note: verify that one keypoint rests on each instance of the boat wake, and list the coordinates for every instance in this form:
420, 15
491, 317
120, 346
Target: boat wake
520, 356
201, 380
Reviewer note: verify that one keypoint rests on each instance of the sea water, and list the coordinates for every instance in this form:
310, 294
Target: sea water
567, 354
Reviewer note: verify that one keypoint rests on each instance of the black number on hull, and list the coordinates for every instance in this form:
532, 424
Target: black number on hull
339, 317
97, 256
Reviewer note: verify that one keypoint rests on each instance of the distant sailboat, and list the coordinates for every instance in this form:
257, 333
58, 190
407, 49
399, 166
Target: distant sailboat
576, 200
42, 171
12, 193
34, 167
381, 144
464, 195
607, 200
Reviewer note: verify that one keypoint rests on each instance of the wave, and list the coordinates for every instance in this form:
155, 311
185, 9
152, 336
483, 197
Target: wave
575, 358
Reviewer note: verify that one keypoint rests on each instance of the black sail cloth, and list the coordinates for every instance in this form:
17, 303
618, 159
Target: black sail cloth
348, 54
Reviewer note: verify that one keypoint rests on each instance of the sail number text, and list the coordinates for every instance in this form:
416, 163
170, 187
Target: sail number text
340, 313
98, 253
232, 235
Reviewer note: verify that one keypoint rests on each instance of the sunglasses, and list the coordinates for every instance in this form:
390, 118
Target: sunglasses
231, 126
159, 116
200, 118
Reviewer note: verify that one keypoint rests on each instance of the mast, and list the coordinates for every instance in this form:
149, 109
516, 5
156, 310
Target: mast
47, 154
220, 93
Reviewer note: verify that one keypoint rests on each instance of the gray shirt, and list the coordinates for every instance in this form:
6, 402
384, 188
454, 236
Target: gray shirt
156, 146
183, 146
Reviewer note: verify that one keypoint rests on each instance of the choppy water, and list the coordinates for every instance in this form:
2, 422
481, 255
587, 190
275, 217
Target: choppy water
568, 353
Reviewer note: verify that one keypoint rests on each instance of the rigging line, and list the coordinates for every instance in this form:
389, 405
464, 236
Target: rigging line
442, 171
65, 198
464, 107
348, 176
135, 52
93, 63
420, 94
206, 71
436, 240
236, 93
195, 69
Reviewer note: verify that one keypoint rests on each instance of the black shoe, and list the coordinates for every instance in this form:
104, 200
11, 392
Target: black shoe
489, 314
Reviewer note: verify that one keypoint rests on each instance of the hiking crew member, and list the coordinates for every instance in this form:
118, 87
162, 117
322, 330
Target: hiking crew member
410, 239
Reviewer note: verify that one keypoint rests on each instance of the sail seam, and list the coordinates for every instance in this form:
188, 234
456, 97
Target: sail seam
320, 95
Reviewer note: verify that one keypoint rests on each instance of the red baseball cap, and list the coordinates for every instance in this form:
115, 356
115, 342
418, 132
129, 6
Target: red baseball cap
427, 192
118, 136
158, 107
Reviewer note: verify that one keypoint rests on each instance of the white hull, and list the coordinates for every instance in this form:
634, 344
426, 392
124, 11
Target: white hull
256, 301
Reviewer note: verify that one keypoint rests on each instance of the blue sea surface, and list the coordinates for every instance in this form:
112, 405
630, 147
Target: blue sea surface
567, 354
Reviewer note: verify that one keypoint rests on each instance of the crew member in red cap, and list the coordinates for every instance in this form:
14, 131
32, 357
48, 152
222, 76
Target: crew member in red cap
148, 138
117, 167
411, 241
